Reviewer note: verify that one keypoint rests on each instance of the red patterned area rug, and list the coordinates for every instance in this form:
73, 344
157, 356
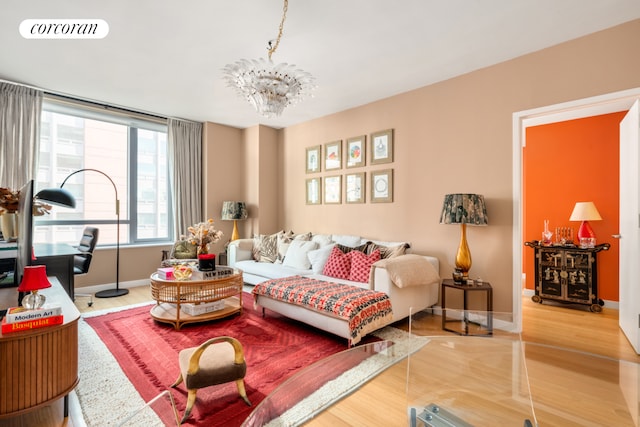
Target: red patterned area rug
275, 348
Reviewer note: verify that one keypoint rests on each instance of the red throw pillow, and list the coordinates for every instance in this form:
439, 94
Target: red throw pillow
361, 265
338, 265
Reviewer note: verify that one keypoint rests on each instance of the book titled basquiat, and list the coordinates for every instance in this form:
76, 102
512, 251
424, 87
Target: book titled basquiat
27, 325
21, 314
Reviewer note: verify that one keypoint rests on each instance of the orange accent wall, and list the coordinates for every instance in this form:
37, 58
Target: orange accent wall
569, 162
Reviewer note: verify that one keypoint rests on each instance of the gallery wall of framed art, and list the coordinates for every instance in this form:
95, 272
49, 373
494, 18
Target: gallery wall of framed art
365, 160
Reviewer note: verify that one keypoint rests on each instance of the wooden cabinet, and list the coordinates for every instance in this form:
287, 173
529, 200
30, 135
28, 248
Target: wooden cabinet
38, 366
567, 274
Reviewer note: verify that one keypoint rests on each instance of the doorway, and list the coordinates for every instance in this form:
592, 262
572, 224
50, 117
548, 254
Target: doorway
587, 107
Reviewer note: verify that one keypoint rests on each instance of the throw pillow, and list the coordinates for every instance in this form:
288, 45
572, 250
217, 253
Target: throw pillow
297, 254
361, 265
387, 251
269, 248
283, 242
322, 239
345, 240
338, 265
347, 249
319, 257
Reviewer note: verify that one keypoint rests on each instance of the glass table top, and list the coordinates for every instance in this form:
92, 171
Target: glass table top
457, 381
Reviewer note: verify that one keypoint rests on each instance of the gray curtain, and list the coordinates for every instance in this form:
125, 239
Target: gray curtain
185, 173
20, 109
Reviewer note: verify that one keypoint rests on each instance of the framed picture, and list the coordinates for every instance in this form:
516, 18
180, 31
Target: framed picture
313, 159
382, 147
354, 187
382, 186
333, 189
333, 155
313, 191
355, 151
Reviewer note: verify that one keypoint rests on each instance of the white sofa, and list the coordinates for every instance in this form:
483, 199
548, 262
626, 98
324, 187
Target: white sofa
404, 300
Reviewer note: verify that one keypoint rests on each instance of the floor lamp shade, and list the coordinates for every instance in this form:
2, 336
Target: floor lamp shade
234, 211
464, 209
585, 212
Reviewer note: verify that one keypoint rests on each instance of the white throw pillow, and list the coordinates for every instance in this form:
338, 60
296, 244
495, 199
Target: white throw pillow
319, 257
297, 254
322, 239
351, 241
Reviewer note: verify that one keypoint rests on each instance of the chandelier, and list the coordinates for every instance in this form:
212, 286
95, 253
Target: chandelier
268, 87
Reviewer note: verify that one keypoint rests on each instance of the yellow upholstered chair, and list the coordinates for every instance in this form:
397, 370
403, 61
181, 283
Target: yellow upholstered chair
217, 361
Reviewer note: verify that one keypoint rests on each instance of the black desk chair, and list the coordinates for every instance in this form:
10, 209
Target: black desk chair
82, 261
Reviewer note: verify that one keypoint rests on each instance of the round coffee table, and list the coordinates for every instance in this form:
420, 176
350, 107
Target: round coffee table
172, 296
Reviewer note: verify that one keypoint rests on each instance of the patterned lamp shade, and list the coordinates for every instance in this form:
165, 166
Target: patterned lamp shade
234, 211
464, 209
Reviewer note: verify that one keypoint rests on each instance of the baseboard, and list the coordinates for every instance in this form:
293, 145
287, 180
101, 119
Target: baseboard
125, 285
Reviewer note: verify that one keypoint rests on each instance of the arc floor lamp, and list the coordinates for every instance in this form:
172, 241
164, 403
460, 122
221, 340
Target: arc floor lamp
61, 197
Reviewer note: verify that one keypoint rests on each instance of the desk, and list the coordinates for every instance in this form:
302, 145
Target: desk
57, 257
41, 365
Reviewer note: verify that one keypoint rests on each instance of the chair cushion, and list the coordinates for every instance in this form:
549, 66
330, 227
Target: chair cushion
216, 366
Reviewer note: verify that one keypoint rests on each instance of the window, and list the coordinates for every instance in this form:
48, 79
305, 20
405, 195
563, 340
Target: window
121, 149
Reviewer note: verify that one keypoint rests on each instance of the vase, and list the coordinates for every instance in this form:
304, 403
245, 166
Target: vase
9, 226
203, 248
206, 262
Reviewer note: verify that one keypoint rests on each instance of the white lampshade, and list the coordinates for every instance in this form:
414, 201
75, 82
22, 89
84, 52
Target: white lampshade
585, 211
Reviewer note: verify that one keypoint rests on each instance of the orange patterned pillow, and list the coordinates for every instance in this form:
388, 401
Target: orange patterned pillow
361, 265
338, 265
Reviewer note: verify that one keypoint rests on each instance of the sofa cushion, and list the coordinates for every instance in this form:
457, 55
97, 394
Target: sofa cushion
387, 251
361, 265
265, 247
269, 270
350, 241
322, 239
338, 265
283, 241
347, 249
297, 254
319, 257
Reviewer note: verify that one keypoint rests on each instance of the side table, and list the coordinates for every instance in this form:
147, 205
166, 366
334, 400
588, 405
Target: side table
486, 329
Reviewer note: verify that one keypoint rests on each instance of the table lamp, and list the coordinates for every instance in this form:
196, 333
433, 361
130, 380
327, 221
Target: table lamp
234, 211
464, 209
34, 279
585, 212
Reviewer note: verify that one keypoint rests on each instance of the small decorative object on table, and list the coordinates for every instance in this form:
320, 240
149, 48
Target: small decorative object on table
546, 234
202, 234
182, 272
458, 276
207, 262
34, 279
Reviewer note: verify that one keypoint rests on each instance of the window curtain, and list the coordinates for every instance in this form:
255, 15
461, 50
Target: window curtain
20, 109
185, 173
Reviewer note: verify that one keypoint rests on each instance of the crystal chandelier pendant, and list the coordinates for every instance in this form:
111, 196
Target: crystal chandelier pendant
268, 87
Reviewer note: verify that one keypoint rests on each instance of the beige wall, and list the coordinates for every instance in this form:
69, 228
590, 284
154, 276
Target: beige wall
453, 136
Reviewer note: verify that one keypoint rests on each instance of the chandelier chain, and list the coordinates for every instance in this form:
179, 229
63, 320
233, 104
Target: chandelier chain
284, 16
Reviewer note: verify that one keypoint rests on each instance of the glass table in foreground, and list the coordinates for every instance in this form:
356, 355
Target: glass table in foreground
457, 381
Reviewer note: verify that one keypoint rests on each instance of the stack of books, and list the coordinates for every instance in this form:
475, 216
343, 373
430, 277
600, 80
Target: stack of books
19, 319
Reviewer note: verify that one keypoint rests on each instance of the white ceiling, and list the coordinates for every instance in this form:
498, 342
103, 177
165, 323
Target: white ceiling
165, 56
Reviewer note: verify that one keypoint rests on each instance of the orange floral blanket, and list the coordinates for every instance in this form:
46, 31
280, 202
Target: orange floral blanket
366, 310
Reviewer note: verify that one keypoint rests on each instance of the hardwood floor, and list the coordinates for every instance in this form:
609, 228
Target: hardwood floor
576, 329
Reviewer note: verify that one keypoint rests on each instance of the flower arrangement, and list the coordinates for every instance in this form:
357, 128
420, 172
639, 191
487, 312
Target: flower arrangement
202, 234
10, 199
